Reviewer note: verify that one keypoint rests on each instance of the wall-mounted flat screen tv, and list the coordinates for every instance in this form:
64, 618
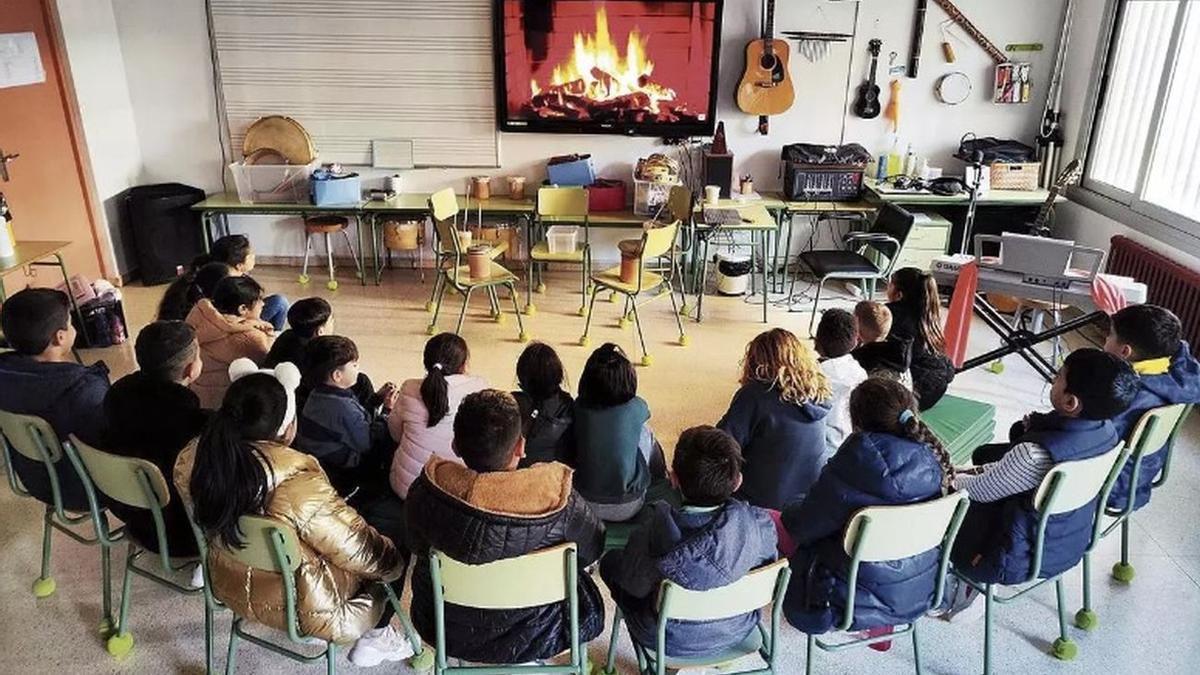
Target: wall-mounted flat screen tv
636, 67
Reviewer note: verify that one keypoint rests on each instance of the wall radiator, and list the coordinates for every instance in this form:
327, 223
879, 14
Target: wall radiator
1171, 284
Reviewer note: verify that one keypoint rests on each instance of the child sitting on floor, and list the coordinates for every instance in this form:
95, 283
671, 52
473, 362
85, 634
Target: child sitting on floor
917, 318
40, 377
490, 510
879, 352
778, 418
712, 541
352, 444
615, 455
307, 319
423, 419
228, 328
995, 542
1151, 338
546, 410
234, 250
892, 458
198, 282
836, 337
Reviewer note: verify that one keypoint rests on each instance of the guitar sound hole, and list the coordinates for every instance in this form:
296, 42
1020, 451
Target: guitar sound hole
768, 62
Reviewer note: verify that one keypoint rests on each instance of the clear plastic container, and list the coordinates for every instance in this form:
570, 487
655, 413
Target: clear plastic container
272, 183
561, 238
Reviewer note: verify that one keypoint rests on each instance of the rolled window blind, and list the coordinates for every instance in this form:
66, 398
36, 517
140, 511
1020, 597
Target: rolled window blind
353, 71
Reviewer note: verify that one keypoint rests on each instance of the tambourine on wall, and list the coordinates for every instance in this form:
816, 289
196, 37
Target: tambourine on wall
953, 88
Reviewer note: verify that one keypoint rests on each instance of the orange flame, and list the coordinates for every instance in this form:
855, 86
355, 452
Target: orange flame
597, 70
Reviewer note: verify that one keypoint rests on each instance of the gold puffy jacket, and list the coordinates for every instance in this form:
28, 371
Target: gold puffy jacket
342, 554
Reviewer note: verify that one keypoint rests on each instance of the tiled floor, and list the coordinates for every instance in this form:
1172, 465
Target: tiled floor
1151, 626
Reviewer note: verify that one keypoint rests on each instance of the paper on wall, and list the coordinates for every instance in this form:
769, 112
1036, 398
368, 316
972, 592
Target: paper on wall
20, 61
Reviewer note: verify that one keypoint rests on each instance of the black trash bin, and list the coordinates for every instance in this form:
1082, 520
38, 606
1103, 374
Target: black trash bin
166, 231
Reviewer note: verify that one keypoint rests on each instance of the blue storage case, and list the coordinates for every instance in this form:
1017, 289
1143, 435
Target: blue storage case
574, 170
331, 190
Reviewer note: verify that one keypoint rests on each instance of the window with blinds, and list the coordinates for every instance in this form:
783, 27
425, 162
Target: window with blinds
1145, 149
357, 71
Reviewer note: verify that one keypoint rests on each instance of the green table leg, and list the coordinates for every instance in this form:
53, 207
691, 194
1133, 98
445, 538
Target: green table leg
765, 243
362, 251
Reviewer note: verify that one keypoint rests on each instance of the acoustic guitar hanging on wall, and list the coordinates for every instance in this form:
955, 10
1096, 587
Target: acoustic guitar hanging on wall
766, 86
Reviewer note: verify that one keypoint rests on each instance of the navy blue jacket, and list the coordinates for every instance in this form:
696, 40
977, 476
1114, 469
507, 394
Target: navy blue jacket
783, 444
70, 397
870, 469
1180, 384
546, 426
698, 549
1009, 557
336, 429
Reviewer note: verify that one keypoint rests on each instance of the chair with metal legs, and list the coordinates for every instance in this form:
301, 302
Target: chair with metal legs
1067, 487
326, 226
33, 438
568, 204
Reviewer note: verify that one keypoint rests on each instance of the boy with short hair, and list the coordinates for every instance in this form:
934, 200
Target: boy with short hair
877, 349
997, 536
1150, 338
40, 377
351, 443
490, 510
152, 415
235, 250
311, 318
837, 336
712, 541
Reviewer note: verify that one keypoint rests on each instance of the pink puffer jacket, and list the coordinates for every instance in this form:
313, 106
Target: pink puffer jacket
418, 441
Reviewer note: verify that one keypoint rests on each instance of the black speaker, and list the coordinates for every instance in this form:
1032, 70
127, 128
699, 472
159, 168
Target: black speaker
166, 231
718, 170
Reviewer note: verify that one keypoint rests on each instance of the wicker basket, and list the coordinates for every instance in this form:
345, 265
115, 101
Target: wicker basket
401, 236
1014, 176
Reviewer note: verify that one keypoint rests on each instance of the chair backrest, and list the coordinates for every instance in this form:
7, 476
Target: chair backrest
1071, 485
679, 204
443, 204
562, 201
753, 591
893, 221
271, 545
30, 436
537, 578
659, 241
118, 477
882, 533
1155, 428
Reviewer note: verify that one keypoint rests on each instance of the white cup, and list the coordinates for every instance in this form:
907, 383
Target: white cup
712, 194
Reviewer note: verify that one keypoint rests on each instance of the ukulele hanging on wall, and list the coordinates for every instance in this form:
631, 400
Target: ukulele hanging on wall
866, 103
766, 86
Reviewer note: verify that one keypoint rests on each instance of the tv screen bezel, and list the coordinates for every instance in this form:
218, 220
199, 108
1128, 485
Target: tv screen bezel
656, 129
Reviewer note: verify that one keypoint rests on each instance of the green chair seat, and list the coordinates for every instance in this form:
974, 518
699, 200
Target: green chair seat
616, 535
961, 424
750, 645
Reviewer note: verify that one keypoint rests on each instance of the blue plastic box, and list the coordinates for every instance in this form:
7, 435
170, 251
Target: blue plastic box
576, 170
330, 190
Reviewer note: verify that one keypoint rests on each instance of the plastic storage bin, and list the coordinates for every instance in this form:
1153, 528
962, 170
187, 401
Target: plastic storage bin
328, 190
649, 197
272, 183
561, 238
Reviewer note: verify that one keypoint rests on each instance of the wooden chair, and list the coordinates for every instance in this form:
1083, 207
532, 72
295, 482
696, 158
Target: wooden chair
568, 204
1067, 487
887, 533
539, 578
761, 587
656, 243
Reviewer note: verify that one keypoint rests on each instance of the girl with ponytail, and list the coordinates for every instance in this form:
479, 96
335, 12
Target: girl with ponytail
917, 317
424, 418
891, 458
241, 465
189, 288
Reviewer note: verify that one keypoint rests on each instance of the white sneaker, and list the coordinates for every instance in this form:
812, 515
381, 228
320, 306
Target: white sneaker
378, 645
198, 577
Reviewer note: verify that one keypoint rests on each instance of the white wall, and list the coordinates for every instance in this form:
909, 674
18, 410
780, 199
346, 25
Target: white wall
97, 69
167, 63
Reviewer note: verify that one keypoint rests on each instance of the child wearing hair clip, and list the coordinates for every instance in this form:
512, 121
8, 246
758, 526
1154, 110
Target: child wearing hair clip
423, 420
890, 458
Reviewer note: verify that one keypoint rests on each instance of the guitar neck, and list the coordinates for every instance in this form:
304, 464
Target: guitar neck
874, 64
769, 24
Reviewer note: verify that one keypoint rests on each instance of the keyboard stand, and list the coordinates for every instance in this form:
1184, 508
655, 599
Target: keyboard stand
1021, 341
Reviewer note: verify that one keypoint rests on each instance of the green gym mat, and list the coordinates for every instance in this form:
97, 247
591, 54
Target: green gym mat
961, 424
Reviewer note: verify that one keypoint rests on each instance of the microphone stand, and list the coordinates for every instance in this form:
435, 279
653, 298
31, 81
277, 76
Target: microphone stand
973, 190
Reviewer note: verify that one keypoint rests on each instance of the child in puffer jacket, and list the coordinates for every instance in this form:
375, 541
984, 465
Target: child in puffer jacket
547, 411
712, 541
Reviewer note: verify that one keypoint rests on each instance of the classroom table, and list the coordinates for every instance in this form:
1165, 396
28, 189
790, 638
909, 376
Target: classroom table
35, 254
786, 210
758, 221
219, 207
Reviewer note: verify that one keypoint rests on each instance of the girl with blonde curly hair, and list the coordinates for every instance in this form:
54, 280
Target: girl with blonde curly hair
778, 417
